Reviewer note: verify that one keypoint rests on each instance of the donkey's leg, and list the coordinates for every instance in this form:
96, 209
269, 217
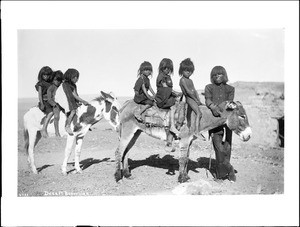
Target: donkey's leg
78, 140
32, 141
68, 151
184, 144
126, 136
126, 172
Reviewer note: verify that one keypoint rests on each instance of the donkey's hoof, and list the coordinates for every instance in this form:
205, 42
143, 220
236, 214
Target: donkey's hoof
183, 178
34, 171
79, 171
169, 148
126, 174
118, 175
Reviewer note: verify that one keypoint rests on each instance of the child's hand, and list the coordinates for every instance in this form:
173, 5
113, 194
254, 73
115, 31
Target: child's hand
42, 106
164, 84
215, 111
85, 103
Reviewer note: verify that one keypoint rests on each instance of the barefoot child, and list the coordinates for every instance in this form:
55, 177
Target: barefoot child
57, 80
71, 77
141, 87
186, 69
215, 93
44, 82
165, 97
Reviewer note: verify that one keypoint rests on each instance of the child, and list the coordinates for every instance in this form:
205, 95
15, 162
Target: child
186, 69
71, 77
141, 87
57, 80
165, 96
44, 81
215, 93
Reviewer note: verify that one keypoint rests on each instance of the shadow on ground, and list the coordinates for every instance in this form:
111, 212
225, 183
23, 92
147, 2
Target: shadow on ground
86, 163
171, 164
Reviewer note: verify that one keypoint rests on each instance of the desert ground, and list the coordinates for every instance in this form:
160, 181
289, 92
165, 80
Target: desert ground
259, 164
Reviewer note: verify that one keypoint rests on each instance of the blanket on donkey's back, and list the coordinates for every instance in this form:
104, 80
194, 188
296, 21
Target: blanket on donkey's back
157, 117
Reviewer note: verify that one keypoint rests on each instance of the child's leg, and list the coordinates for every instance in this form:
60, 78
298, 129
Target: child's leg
172, 120
68, 122
197, 111
143, 109
56, 111
44, 129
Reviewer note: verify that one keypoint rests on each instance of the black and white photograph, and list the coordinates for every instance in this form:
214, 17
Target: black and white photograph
182, 110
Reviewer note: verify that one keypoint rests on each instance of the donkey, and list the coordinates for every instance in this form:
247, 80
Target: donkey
105, 106
232, 114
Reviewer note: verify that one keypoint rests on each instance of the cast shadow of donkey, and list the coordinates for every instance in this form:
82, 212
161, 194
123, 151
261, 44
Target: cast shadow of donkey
86, 163
171, 164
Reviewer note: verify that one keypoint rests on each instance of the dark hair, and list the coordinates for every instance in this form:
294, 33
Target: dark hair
165, 63
46, 70
71, 73
186, 64
145, 66
58, 75
216, 71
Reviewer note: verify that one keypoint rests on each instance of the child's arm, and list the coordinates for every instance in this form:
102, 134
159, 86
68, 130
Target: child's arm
76, 96
209, 103
41, 97
197, 95
191, 91
151, 90
50, 96
146, 93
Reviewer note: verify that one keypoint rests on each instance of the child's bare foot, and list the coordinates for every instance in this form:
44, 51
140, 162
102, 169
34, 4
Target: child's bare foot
68, 130
200, 136
44, 133
139, 117
57, 134
174, 130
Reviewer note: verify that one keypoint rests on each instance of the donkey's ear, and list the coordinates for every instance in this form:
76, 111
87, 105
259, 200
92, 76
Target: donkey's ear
230, 105
103, 94
107, 97
112, 94
238, 103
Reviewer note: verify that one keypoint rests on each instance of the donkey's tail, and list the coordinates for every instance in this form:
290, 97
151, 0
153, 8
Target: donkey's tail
26, 140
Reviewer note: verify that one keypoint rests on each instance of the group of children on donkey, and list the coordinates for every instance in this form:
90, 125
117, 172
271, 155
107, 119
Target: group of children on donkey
215, 93
165, 98
48, 82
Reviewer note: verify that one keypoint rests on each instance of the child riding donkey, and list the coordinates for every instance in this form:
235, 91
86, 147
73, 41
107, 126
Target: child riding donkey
57, 80
166, 96
141, 87
186, 69
44, 81
74, 101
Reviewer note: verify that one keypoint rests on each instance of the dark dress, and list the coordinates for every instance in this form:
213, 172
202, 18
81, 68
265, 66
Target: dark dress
164, 97
141, 97
216, 94
69, 88
44, 85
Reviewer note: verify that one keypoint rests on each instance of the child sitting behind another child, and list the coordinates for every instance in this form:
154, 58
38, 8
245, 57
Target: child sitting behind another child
74, 101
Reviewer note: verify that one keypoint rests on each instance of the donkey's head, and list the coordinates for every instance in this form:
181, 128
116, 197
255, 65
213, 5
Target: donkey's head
237, 119
111, 110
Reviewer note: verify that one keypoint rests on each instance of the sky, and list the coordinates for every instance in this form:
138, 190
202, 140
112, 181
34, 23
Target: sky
108, 59
106, 41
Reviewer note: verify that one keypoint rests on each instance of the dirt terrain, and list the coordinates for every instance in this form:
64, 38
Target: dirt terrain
259, 165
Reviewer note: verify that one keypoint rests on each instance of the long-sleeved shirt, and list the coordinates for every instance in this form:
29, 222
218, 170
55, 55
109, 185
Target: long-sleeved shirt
216, 94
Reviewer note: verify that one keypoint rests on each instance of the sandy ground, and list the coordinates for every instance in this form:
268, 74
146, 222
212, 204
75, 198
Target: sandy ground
260, 168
